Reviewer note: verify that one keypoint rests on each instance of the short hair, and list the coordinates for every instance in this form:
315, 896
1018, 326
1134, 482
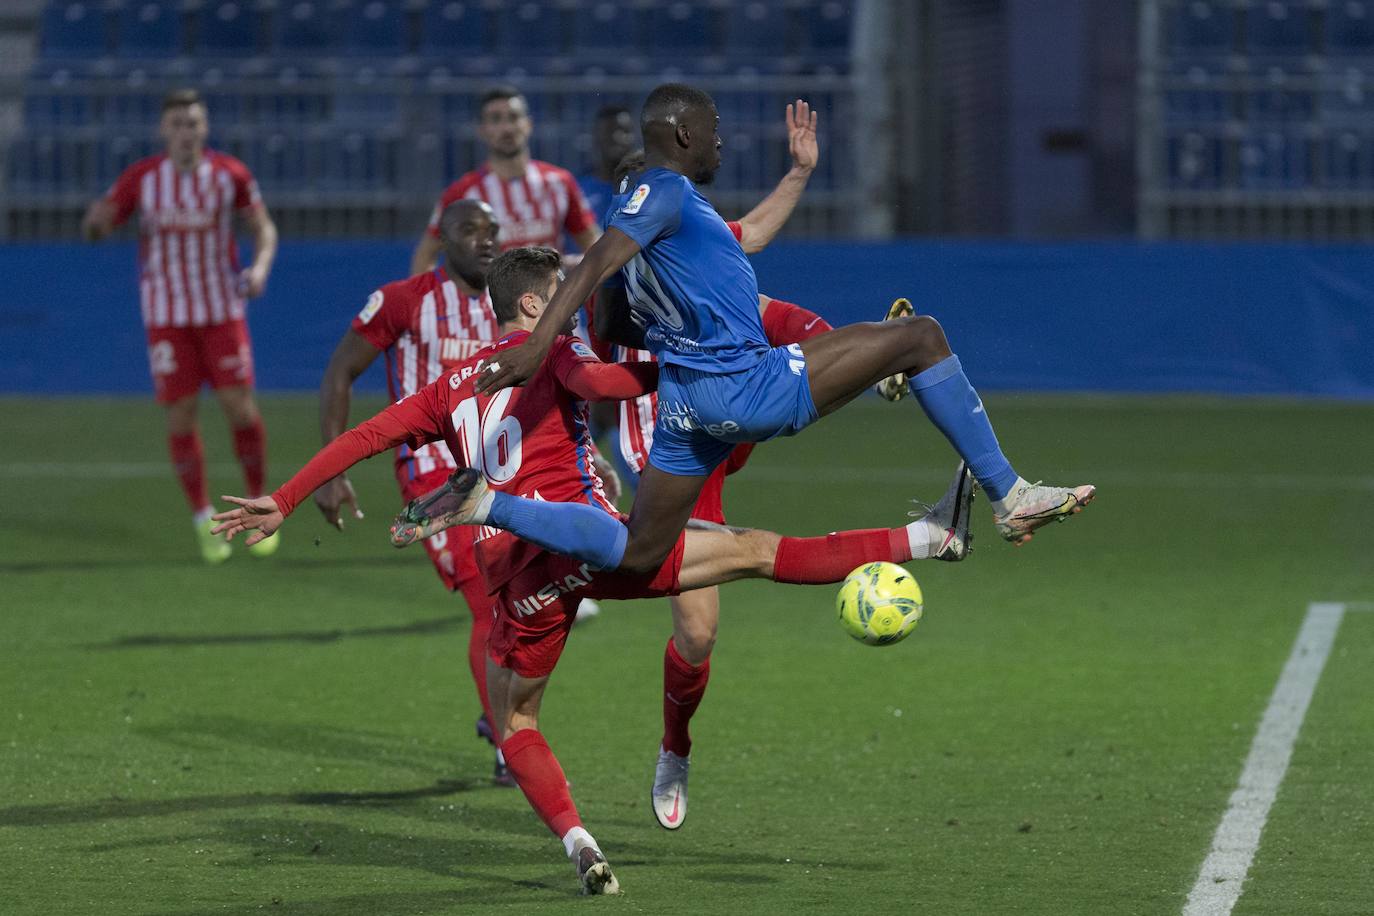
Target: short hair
457, 211
181, 98
499, 93
520, 271
667, 100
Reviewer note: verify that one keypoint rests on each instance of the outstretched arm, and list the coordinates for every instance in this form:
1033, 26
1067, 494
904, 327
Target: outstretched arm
351, 358
761, 225
515, 365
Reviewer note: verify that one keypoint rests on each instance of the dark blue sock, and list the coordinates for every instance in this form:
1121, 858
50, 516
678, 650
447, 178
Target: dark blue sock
956, 410
573, 529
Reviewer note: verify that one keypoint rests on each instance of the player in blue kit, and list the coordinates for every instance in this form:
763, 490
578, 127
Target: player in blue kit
721, 383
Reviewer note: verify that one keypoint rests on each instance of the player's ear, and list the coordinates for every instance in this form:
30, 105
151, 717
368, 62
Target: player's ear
684, 135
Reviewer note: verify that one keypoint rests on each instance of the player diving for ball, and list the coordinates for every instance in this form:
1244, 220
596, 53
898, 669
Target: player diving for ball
722, 384
533, 442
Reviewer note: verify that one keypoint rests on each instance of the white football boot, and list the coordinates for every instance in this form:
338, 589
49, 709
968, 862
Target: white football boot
594, 871
587, 608
893, 388
1029, 506
455, 502
952, 514
670, 789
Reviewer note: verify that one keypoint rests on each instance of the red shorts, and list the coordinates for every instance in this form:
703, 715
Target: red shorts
451, 550
536, 609
183, 359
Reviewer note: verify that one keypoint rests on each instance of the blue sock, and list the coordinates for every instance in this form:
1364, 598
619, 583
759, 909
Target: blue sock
956, 410
573, 529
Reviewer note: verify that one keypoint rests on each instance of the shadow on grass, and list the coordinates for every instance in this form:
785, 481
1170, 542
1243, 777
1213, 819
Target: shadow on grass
116, 807
158, 640
191, 562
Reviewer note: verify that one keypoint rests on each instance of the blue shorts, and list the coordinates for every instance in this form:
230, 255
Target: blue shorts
702, 416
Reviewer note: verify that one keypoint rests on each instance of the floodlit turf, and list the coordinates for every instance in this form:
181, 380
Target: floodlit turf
1059, 736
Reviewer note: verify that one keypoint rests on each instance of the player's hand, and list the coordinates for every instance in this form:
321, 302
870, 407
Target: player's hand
509, 368
260, 516
801, 136
253, 281
331, 497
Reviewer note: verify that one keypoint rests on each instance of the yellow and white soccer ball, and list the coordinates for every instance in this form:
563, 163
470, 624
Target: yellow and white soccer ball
879, 604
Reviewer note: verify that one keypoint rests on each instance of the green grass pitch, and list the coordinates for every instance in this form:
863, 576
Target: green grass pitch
1059, 736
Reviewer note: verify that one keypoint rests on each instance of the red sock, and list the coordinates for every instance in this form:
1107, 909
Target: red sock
539, 776
817, 561
787, 322
188, 461
479, 602
250, 444
683, 687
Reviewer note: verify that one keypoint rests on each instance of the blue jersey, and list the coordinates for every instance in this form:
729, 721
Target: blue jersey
598, 194
690, 285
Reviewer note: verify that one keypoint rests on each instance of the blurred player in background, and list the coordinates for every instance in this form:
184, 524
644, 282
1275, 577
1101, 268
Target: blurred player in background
192, 293
425, 325
534, 440
535, 202
613, 137
696, 614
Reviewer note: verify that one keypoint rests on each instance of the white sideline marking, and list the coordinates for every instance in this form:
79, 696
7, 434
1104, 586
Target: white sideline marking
1222, 876
832, 474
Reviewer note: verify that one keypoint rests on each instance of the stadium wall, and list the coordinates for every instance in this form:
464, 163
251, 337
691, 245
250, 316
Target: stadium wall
1115, 317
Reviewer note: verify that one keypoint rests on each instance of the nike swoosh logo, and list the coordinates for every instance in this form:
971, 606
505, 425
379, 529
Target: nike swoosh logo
672, 816
979, 408
949, 536
674, 700
807, 326
1068, 502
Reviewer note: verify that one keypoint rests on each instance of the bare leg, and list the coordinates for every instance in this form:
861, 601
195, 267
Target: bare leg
663, 503
238, 404
846, 362
696, 615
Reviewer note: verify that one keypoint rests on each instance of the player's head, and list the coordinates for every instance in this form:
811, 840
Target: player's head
679, 125
468, 230
521, 282
184, 124
612, 136
503, 122
631, 164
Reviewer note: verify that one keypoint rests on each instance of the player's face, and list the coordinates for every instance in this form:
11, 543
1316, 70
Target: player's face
615, 138
184, 129
473, 246
705, 123
505, 127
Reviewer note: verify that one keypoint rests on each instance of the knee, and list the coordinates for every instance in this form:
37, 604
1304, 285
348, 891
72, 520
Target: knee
694, 639
926, 341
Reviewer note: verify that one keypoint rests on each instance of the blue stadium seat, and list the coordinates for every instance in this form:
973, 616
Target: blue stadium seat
455, 26
604, 28
1350, 27
304, 27
1349, 160
1279, 28
825, 27
229, 28
1201, 28
1197, 95
376, 28
1195, 161
1347, 98
758, 29
530, 28
1274, 160
149, 28
1283, 97
684, 28
74, 28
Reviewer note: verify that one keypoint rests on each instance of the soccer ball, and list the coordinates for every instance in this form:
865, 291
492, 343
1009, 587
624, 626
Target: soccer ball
879, 604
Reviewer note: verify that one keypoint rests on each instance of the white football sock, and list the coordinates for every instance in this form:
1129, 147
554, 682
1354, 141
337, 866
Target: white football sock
202, 515
1003, 506
479, 515
924, 537
575, 839
500, 757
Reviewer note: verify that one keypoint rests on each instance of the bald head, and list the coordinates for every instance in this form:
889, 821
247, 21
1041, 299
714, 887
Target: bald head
679, 125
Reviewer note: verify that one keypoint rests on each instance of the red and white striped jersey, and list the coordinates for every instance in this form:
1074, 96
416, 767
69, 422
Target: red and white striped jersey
426, 325
535, 209
187, 254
